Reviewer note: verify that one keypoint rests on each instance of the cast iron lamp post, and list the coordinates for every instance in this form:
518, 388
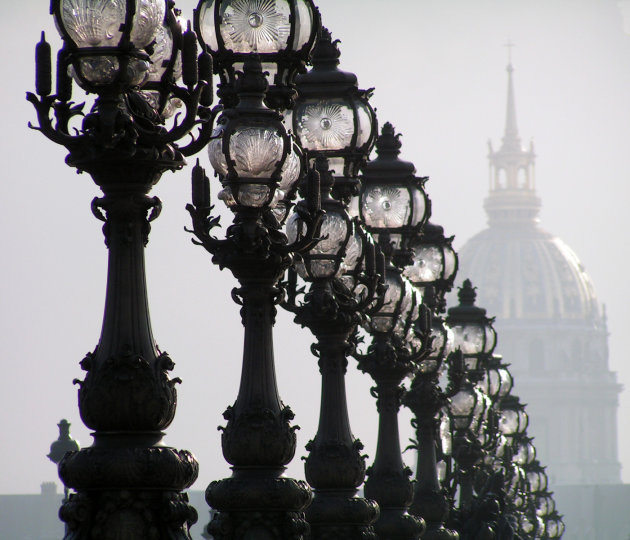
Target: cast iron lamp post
128, 484
332, 116
334, 122
432, 270
249, 151
425, 399
393, 205
342, 272
472, 417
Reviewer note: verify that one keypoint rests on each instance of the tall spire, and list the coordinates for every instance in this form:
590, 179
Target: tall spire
512, 197
511, 140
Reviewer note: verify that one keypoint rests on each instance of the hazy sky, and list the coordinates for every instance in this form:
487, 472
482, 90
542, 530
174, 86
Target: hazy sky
438, 67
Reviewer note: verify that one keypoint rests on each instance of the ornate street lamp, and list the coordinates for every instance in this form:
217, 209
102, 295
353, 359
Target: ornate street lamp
473, 331
332, 117
128, 484
392, 204
249, 150
435, 262
342, 272
497, 381
389, 361
554, 527
281, 32
426, 400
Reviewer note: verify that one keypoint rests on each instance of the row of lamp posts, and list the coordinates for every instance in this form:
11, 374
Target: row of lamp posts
358, 239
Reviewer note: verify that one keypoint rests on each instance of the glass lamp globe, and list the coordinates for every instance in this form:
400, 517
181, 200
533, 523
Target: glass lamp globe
513, 419
392, 199
525, 453
250, 149
165, 65
466, 408
332, 116
434, 259
536, 477
100, 34
545, 505
497, 381
554, 527
399, 307
473, 331
340, 246
441, 346
525, 523
281, 32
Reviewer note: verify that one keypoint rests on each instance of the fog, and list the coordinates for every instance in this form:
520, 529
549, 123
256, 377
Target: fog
438, 67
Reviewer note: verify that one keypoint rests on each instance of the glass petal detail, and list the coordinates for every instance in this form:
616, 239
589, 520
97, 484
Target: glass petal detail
93, 23
325, 126
147, 21
261, 26
256, 151
468, 338
427, 265
385, 207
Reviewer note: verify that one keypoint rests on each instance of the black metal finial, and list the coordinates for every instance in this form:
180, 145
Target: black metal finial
326, 52
252, 81
467, 294
388, 142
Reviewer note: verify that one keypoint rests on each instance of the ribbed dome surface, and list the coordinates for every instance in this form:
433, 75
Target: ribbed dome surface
524, 272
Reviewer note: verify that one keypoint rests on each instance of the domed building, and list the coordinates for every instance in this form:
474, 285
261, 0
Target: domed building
551, 327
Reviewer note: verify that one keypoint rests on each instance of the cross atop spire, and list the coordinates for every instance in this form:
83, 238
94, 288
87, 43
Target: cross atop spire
512, 192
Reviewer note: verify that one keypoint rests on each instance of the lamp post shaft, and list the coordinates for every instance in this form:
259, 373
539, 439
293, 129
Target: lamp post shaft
429, 500
334, 467
128, 484
257, 501
388, 480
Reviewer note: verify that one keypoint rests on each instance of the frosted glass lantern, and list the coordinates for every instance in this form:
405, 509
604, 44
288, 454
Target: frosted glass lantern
392, 199
332, 116
399, 309
537, 478
441, 346
325, 259
473, 331
249, 160
99, 33
512, 422
545, 505
281, 32
466, 408
525, 453
434, 260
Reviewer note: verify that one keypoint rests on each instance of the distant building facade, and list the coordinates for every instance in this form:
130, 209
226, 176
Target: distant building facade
551, 328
